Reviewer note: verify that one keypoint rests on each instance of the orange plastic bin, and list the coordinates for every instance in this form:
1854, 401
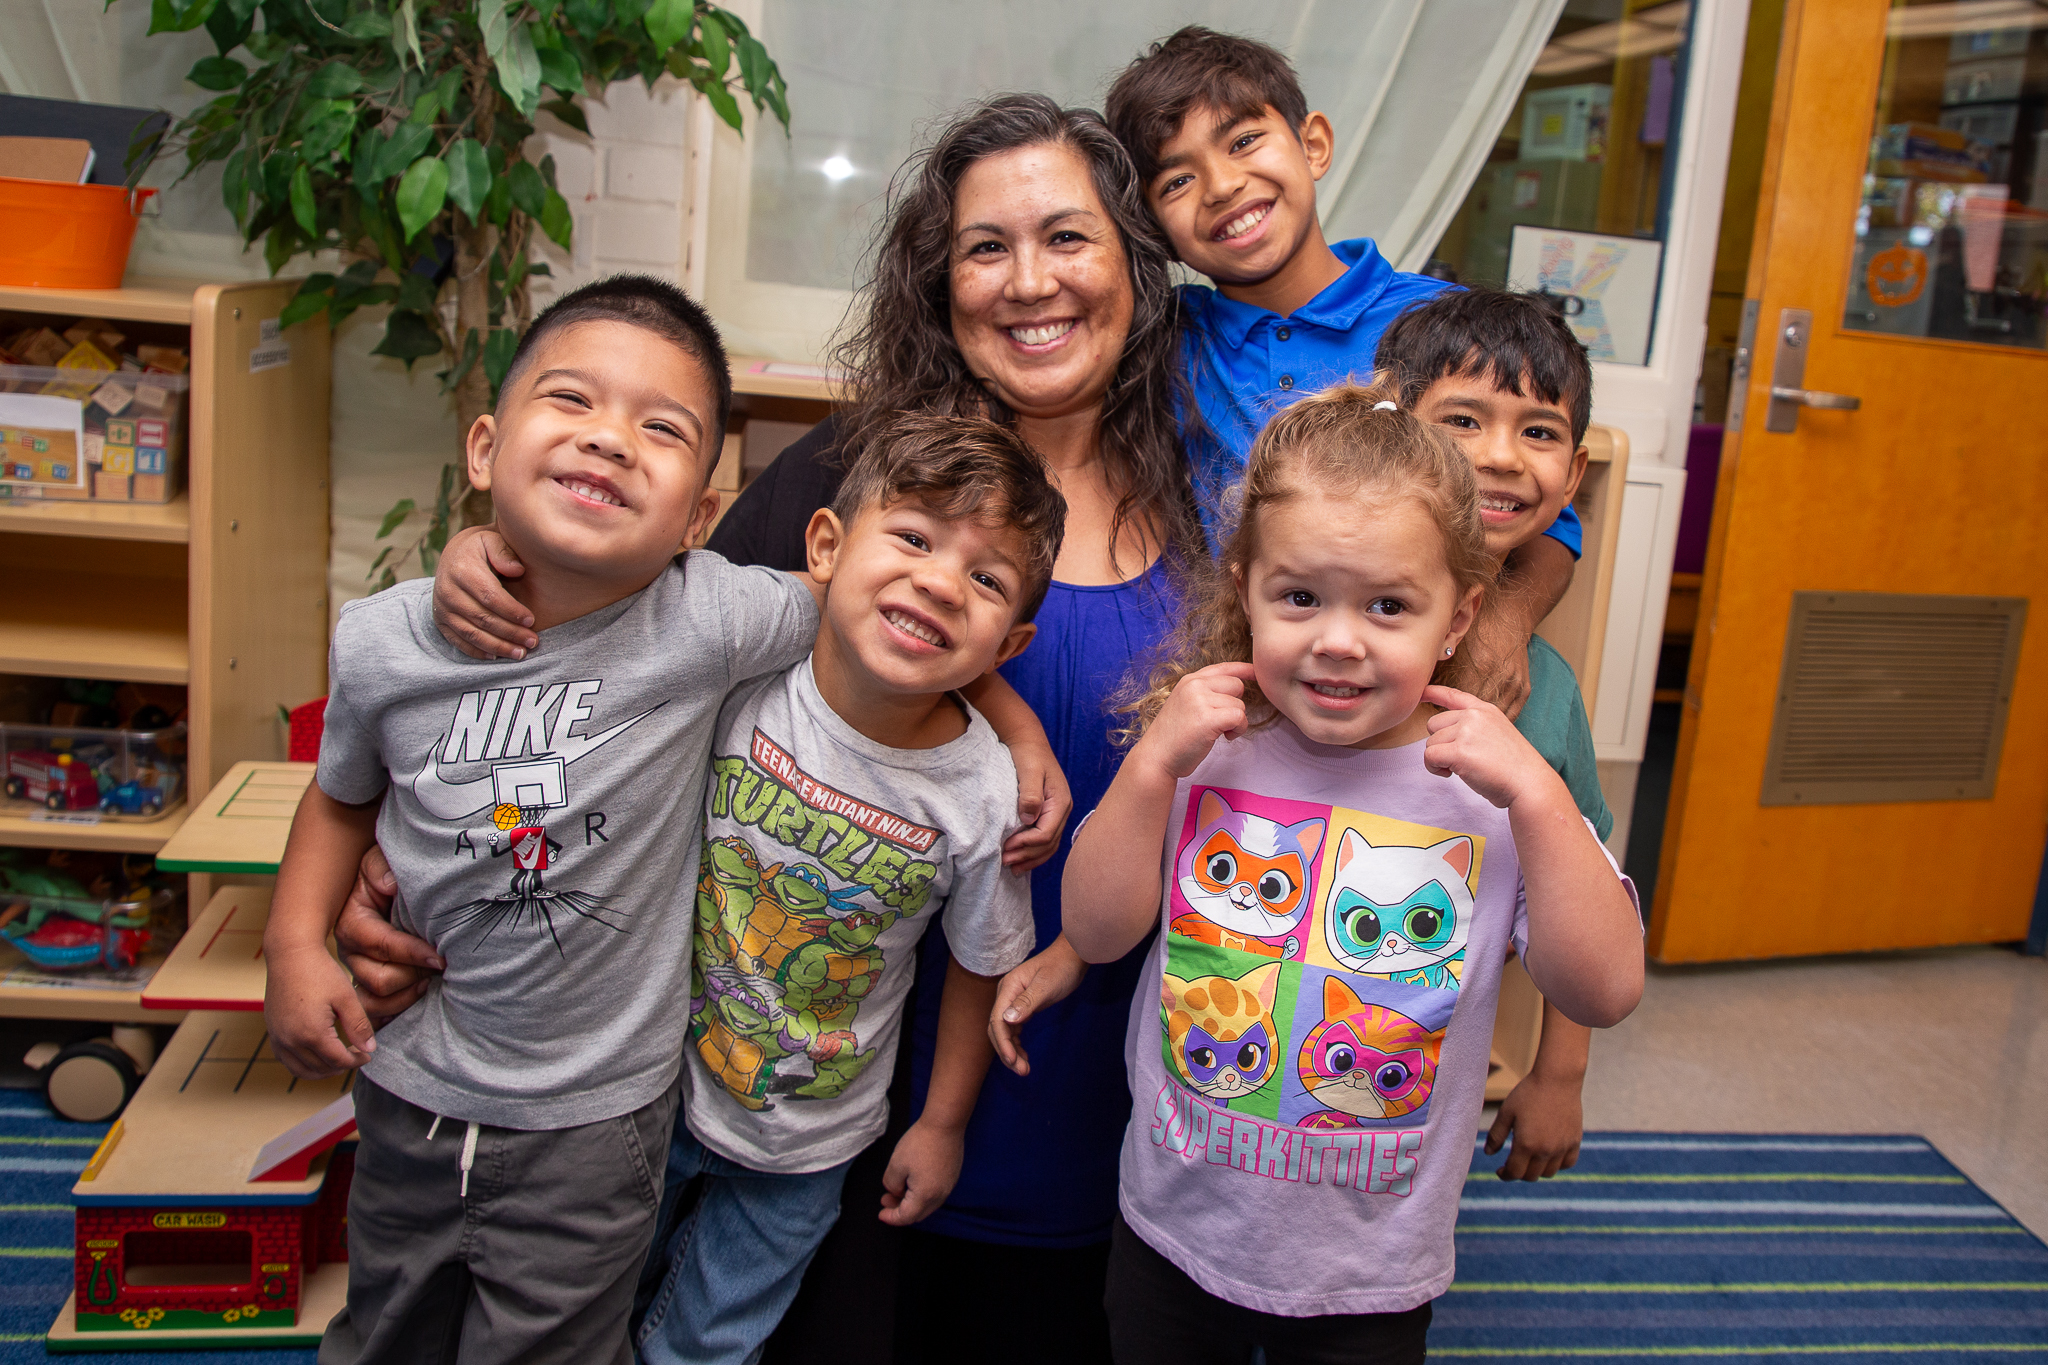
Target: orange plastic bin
58, 236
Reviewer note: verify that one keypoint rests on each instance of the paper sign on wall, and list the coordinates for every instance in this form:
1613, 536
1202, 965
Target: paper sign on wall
272, 350
1606, 285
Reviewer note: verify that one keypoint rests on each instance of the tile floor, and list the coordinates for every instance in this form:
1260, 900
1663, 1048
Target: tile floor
1951, 1044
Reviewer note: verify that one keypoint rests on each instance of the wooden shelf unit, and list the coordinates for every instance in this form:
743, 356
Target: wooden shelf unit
223, 590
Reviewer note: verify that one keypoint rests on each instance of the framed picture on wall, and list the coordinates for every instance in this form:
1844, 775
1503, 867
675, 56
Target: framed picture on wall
1606, 285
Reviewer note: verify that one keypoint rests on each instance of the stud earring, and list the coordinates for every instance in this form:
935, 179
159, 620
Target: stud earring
1448, 649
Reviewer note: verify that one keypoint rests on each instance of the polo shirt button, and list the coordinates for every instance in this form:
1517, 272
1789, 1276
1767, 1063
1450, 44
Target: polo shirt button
1286, 381
1283, 334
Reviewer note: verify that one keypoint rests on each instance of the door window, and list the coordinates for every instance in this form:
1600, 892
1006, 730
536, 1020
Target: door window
1952, 233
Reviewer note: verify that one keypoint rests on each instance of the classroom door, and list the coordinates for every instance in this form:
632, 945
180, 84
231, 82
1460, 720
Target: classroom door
1863, 759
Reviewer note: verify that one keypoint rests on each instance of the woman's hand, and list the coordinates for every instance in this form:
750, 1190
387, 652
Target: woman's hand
471, 607
1206, 705
1473, 740
392, 969
1039, 981
1043, 804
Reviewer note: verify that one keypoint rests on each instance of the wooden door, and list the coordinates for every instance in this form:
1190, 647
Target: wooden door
1863, 759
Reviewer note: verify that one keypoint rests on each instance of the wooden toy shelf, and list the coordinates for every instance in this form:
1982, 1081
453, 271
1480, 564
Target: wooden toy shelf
222, 590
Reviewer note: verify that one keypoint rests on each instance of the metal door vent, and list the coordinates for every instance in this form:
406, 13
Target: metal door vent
1892, 697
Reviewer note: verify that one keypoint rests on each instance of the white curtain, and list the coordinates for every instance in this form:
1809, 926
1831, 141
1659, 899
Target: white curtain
1417, 91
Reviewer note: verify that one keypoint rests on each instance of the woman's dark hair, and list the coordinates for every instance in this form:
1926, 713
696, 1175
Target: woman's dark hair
899, 352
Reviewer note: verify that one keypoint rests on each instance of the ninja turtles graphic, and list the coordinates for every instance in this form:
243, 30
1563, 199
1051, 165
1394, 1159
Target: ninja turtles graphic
782, 964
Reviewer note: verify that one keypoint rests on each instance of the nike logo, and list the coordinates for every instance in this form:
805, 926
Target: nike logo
445, 800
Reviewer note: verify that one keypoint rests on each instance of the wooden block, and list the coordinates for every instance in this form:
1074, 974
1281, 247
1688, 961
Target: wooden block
193, 1130
152, 488
218, 965
112, 487
726, 475
241, 825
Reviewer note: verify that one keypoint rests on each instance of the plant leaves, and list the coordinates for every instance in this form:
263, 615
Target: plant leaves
568, 113
234, 186
407, 337
717, 51
217, 73
519, 70
560, 69
333, 80
409, 29
366, 24
305, 305
668, 22
723, 104
229, 24
529, 191
302, 200
555, 220
456, 373
421, 193
589, 16
495, 25
498, 352
404, 148
378, 562
178, 16
400, 510
469, 176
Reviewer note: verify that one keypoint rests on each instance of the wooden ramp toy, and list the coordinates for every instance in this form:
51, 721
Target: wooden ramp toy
239, 826
176, 1242
218, 964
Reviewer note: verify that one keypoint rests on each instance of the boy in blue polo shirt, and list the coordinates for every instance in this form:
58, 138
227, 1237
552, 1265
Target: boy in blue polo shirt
1229, 154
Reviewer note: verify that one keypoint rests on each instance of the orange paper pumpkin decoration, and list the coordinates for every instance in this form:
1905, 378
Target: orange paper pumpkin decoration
1896, 275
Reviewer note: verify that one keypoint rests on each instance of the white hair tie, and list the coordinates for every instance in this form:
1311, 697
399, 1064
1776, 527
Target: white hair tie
1386, 405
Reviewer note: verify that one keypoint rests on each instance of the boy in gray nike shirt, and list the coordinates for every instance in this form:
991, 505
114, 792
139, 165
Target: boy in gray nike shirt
541, 817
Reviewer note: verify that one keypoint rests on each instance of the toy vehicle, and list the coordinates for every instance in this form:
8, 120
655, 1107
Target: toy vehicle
133, 798
55, 780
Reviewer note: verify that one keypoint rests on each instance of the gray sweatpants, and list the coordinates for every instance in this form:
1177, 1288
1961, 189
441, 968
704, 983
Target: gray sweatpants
536, 1263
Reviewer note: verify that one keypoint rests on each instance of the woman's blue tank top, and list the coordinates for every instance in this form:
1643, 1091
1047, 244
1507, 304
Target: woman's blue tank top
1041, 1158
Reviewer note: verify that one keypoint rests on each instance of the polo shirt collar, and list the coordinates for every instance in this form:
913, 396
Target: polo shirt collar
1337, 307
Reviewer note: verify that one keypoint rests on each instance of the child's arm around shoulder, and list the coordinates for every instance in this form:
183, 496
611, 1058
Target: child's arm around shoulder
1110, 894
316, 1025
1585, 935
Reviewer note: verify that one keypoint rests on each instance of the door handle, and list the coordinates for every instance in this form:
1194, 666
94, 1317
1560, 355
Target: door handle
1815, 398
1788, 376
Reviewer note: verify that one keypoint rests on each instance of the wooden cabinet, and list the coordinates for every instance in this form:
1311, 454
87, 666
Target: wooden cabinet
223, 590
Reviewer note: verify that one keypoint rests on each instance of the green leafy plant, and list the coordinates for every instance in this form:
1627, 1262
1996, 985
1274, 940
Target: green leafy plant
394, 132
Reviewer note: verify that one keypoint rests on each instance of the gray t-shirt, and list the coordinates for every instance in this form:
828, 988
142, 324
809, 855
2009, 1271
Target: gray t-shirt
827, 855
542, 822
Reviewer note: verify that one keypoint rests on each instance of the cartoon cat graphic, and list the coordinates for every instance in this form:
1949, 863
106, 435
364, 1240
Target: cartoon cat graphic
1246, 879
1365, 1062
1220, 1033
1399, 912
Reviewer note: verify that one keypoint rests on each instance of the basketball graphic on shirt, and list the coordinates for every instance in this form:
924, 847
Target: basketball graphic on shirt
506, 817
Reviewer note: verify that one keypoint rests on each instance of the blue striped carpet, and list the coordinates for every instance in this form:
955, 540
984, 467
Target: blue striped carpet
1664, 1245
1657, 1246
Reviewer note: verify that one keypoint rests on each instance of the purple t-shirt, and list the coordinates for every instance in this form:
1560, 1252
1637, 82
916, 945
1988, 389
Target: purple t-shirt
1308, 1065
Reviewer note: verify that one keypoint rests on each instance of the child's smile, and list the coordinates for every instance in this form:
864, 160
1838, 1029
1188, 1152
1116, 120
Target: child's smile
1521, 450
1237, 194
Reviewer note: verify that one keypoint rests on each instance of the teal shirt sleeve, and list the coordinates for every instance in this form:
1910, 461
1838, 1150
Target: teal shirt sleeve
1554, 721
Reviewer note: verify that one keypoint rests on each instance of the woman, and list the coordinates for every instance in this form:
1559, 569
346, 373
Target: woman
1019, 276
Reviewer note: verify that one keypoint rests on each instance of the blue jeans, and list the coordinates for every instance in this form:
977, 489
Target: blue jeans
723, 1274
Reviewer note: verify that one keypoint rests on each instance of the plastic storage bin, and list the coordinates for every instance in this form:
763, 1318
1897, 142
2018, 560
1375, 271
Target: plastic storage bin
115, 774
91, 434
